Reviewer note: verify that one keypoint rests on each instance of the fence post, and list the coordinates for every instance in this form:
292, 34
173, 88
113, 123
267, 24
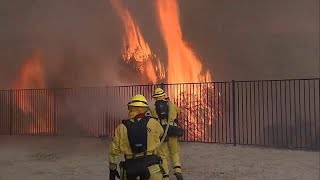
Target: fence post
11, 111
234, 112
106, 114
55, 119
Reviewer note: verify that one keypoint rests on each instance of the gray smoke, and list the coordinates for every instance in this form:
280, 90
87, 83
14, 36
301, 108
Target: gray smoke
82, 39
246, 40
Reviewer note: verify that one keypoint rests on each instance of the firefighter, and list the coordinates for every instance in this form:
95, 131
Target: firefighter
166, 112
137, 138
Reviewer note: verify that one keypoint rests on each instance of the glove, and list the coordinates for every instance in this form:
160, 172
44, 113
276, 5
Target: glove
178, 176
113, 174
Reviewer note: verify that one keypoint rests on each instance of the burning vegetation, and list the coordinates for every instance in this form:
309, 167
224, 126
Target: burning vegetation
33, 106
30, 76
182, 63
135, 49
184, 66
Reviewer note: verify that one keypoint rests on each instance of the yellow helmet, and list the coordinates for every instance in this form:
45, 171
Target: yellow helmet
158, 92
138, 101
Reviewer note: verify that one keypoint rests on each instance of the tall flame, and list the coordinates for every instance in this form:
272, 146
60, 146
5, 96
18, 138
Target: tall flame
183, 64
136, 49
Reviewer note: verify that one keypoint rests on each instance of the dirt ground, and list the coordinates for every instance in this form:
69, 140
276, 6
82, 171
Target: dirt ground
67, 158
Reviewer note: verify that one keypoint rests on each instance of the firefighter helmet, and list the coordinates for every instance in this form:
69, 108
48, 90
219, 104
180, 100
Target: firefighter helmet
138, 101
158, 92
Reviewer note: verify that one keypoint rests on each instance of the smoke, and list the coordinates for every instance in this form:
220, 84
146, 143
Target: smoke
248, 40
82, 41
245, 40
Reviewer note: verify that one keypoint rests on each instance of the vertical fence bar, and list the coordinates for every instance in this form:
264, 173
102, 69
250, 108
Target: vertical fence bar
54, 104
11, 111
206, 116
305, 114
317, 140
272, 114
246, 113
315, 112
267, 114
229, 111
211, 113
234, 112
17, 100
285, 114
300, 131
310, 124
276, 139
242, 113
224, 113
256, 107
295, 113
238, 112
282, 129
290, 115
263, 114
105, 113
249, 110
15, 114
215, 109
217, 132
192, 116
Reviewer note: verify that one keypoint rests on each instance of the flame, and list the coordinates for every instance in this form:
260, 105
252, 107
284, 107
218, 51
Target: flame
31, 73
184, 66
31, 76
136, 49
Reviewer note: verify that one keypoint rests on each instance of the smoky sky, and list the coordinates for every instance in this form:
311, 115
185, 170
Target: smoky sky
248, 39
81, 40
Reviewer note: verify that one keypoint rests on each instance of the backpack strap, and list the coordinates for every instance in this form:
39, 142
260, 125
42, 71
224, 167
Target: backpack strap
125, 122
137, 134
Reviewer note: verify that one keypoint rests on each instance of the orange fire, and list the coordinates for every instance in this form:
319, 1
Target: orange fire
184, 66
32, 76
136, 49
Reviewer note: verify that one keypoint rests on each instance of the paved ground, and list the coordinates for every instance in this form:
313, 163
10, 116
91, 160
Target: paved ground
61, 158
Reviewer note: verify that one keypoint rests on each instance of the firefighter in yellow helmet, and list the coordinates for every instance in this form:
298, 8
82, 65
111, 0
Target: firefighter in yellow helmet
167, 112
137, 138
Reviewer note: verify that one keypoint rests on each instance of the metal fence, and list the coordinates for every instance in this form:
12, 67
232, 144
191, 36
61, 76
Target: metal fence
283, 113
278, 113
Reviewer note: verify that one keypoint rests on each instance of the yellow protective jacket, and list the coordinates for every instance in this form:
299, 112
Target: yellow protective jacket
121, 146
174, 110
171, 148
